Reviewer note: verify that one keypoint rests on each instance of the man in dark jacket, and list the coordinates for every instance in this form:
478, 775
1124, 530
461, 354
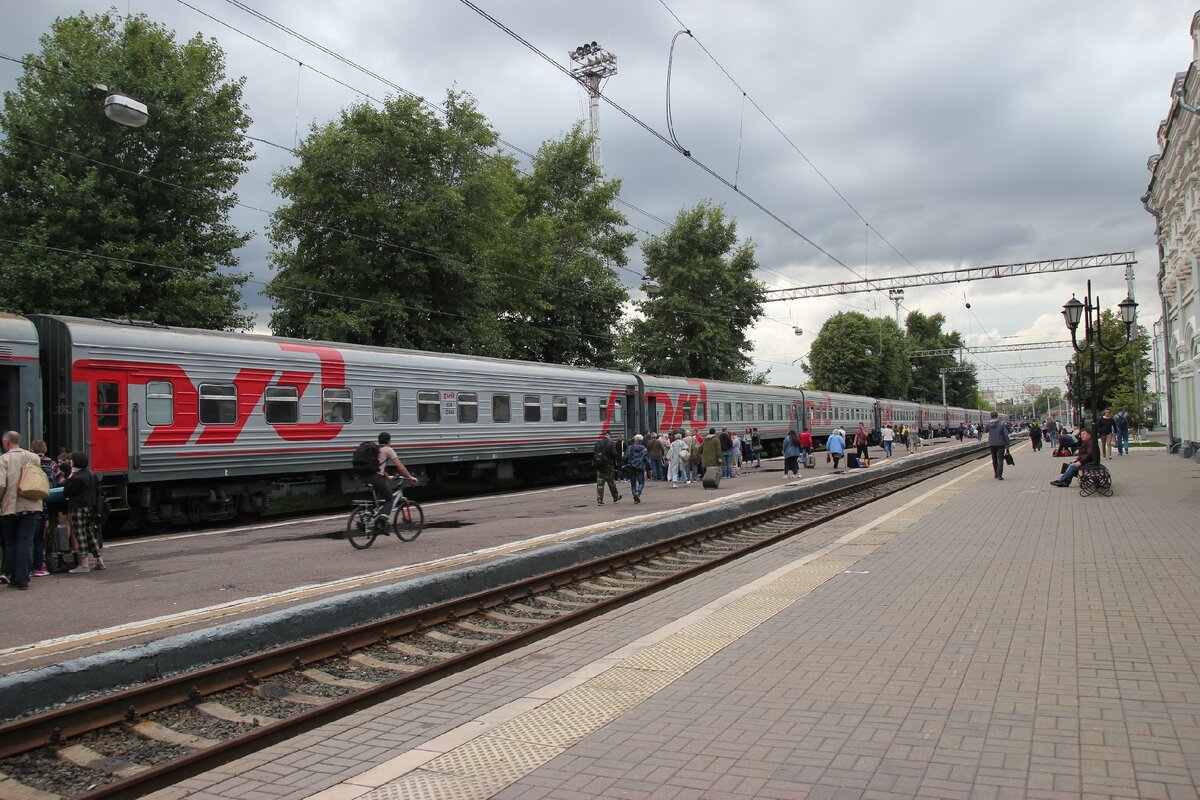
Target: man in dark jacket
82, 493
998, 440
1121, 423
635, 461
604, 461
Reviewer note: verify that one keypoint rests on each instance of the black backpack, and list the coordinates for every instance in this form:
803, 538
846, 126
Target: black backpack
601, 454
365, 461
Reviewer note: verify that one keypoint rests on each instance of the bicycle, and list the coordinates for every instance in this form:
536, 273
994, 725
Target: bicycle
367, 521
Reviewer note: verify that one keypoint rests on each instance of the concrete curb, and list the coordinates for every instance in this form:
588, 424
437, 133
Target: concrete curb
23, 693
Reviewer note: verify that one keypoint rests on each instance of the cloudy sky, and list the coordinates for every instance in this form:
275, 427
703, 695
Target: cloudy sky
964, 133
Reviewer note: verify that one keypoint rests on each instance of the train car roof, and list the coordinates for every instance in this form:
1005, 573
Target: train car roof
17, 330
813, 394
145, 336
677, 382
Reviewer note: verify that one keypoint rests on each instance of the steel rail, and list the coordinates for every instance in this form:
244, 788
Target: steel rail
50, 728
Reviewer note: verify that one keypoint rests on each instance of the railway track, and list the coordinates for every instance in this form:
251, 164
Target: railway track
148, 737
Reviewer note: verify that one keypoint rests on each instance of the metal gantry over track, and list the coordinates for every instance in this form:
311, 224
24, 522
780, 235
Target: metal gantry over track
1125, 259
995, 348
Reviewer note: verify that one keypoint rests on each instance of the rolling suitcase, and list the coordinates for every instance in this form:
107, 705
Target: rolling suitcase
712, 478
810, 462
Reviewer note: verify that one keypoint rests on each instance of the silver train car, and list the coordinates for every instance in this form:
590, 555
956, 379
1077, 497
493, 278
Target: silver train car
191, 425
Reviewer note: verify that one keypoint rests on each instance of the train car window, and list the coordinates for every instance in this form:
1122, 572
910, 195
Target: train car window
583, 409
770, 412
737, 410
700, 417
281, 405
218, 404
618, 412
727, 413
687, 412
385, 406
533, 408
716, 412
558, 411
108, 405
603, 409
428, 407
760, 416
468, 407
501, 408
160, 403
336, 405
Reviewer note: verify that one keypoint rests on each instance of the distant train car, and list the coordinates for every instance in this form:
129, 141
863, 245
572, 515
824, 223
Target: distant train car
827, 411
20, 378
898, 414
672, 403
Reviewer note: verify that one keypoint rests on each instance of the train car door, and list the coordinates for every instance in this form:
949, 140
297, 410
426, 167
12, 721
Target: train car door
109, 425
796, 419
631, 419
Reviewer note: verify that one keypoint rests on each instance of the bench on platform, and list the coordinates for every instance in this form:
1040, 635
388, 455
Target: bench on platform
1095, 479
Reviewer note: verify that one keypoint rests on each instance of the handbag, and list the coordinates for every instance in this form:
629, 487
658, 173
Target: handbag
1008, 459
33, 483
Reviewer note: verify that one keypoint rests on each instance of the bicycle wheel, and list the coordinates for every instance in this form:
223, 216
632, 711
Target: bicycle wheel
359, 529
407, 520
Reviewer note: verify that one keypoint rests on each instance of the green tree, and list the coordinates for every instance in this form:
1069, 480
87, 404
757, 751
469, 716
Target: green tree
560, 279
1121, 377
925, 333
403, 209
161, 194
708, 300
862, 355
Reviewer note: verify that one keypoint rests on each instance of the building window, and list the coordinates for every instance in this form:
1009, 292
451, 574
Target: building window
385, 406
428, 407
533, 408
468, 407
160, 403
558, 410
281, 405
218, 404
501, 408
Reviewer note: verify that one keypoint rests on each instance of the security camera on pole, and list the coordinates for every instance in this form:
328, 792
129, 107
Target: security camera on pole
595, 64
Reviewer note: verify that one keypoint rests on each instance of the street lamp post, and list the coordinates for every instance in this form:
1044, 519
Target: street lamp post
1073, 312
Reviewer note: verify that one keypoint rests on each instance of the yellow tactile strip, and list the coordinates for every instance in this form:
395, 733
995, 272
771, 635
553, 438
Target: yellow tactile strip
481, 766
483, 757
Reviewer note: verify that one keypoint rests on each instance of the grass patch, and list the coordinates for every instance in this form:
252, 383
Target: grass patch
1147, 444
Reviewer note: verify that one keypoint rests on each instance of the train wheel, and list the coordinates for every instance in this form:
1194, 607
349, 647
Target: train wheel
358, 530
150, 523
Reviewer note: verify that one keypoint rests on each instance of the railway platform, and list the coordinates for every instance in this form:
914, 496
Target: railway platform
970, 638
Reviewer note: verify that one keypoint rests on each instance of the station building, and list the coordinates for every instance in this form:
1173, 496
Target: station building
1173, 197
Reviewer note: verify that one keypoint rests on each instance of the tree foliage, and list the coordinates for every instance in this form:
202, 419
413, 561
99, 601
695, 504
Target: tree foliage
561, 284
1117, 374
402, 228
387, 226
708, 300
861, 355
72, 179
924, 332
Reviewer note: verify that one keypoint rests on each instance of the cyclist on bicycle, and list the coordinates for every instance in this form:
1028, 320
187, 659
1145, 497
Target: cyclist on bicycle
379, 482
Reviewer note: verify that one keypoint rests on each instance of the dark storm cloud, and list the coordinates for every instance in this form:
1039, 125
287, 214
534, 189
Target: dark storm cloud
966, 133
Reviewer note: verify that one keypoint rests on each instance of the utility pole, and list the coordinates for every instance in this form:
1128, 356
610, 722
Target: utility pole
594, 65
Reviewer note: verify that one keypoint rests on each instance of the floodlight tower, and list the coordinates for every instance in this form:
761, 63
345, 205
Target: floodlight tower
897, 297
594, 65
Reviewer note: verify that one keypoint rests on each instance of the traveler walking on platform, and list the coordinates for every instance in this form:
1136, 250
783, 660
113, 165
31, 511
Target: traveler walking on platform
862, 440
710, 451
807, 448
82, 492
1105, 428
755, 446
677, 466
695, 463
888, 437
726, 453
998, 441
604, 462
656, 449
1121, 423
1053, 429
792, 451
635, 462
1035, 436
19, 516
736, 459
835, 446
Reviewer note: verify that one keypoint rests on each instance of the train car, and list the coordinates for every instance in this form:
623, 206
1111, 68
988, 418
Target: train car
673, 403
20, 378
826, 411
191, 425
898, 413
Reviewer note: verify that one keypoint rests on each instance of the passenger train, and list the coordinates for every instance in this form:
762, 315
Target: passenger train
189, 425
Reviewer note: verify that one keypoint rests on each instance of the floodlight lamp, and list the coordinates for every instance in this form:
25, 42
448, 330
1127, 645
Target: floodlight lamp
125, 110
798, 331
1072, 312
